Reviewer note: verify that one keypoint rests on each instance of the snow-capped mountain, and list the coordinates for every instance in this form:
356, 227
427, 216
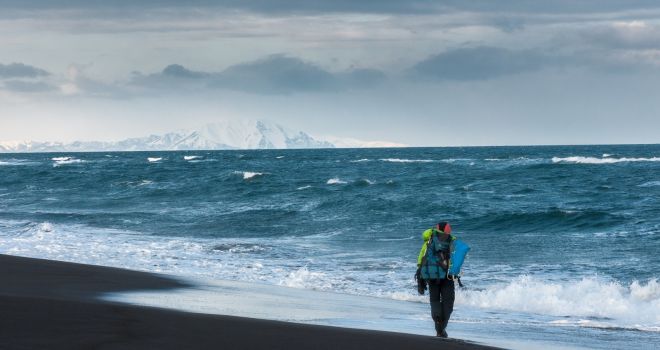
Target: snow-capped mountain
222, 135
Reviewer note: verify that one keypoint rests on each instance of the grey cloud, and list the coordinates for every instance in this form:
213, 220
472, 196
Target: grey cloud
20, 70
28, 86
622, 35
362, 6
260, 6
477, 63
178, 71
275, 74
507, 24
363, 77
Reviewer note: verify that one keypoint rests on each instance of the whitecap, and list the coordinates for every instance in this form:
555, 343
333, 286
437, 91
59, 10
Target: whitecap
650, 184
16, 162
360, 160
154, 159
65, 160
279, 157
594, 160
248, 174
191, 157
303, 187
335, 181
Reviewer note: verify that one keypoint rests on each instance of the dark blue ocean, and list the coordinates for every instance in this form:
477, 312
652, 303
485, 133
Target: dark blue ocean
565, 240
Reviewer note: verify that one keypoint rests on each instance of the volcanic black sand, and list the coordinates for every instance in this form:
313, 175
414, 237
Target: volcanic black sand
48, 304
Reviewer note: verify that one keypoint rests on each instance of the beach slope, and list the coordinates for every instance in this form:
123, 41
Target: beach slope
48, 304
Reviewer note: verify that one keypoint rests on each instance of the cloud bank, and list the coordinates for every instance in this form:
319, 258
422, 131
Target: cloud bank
20, 70
275, 74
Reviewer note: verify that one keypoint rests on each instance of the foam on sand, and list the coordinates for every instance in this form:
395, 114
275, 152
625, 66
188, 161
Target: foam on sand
287, 304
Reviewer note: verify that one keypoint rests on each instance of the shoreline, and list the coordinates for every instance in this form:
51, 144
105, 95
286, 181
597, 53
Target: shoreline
56, 305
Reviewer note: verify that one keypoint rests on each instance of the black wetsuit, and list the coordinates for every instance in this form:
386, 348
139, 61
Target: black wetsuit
441, 294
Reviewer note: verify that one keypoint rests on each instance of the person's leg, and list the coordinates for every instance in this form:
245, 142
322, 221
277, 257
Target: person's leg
436, 305
447, 302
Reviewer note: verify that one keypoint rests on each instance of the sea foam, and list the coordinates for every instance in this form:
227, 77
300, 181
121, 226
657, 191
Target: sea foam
633, 306
606, 160
650, 184
65, 160
336, 181
247, 175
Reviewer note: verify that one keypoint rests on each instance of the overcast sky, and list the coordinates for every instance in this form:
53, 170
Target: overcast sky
421, 72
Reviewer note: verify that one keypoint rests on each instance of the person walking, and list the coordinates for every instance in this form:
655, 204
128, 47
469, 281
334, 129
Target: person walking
432, 266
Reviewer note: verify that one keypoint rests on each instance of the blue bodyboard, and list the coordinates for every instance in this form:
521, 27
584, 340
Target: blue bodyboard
458, 254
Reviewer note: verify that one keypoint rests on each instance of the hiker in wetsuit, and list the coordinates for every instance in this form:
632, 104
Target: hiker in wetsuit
432, 271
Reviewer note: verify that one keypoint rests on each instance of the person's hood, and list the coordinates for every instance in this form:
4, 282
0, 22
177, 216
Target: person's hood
427, 235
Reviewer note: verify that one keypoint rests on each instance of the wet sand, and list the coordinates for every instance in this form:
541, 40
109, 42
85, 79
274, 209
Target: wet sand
48, 304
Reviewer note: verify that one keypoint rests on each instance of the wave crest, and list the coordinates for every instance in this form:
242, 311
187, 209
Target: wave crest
336, 181
636, 306
604, 160
65, 160
247, 175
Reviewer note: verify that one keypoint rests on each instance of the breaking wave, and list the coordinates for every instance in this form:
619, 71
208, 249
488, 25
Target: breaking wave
65, 160
247, 175
588, 302
336, 181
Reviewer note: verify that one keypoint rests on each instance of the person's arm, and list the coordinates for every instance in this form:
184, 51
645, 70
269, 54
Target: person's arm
426, 235
422, 253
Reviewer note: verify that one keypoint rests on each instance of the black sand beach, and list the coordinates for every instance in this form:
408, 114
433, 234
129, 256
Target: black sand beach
52, 305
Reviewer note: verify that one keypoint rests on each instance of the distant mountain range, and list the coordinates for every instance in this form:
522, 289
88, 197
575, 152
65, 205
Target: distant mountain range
216, 136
